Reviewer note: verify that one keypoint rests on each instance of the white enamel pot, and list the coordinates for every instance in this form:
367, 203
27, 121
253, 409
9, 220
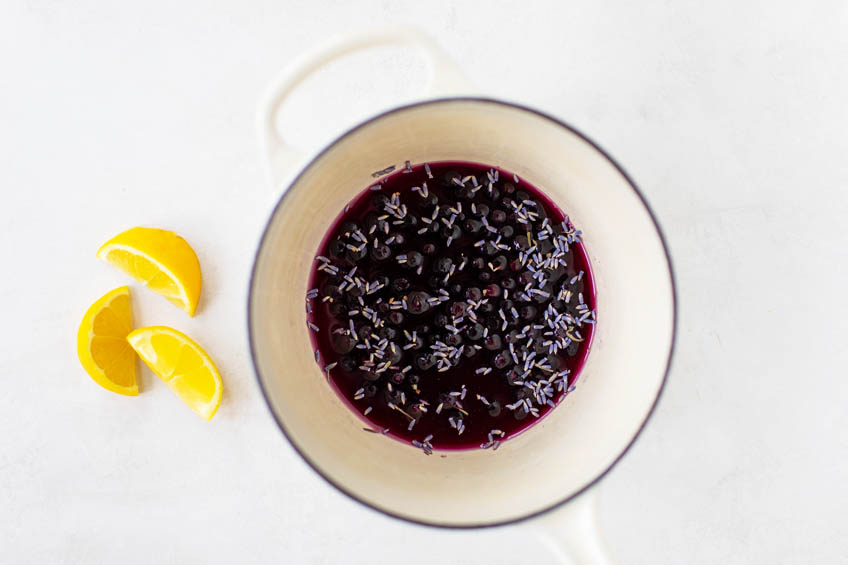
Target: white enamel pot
543, 477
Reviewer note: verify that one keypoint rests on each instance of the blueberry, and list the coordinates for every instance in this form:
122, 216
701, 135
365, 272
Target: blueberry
520, 413
453, 340
522, 196
395, 317
423, 329
489, 249
527, 312
498, 217
381, 252
337, 247
347, 228
400, 284
496, 194
493, 322
442, 265
357, 253
474, 332
508, 283
485, 276
337, 308
417, 302
440, 320
364, 332
482, 210
458, 308
342, 343
414, 259
508, 188
507, 232
379, 200
499, 263
413, 379
486, 307
387, 333
554, 361
329, 289
452, 179
469, 352
492, 290
428, 248
431, 200
471, 226
478, 263
572, 348
513, 377
425, 361
452, 232
372, 376
455, 289
397, 239
370, 391
512, 336
447, 401
415, 411
525, 277
397, 378
393, 396
348, 364
494, 408
539, 347
502, 360
473, 294
492, 342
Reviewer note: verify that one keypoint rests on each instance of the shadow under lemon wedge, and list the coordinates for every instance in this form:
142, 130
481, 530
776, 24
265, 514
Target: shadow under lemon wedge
182, 365
160, 259
102, 344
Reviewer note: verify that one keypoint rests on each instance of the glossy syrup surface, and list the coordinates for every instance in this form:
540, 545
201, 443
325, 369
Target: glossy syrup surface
451, 305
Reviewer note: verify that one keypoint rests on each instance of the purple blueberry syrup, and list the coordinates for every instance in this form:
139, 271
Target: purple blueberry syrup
452, 305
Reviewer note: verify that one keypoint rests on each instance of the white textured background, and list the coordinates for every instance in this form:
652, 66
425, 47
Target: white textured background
731, 116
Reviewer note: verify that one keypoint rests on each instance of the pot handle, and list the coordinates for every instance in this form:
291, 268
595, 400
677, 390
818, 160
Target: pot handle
571, 532
445, 79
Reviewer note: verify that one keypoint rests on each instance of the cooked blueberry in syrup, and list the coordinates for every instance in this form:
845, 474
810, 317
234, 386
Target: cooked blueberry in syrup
454, 303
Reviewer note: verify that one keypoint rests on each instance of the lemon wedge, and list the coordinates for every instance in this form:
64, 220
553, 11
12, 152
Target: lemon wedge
160, 259
102, 343
182, 364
